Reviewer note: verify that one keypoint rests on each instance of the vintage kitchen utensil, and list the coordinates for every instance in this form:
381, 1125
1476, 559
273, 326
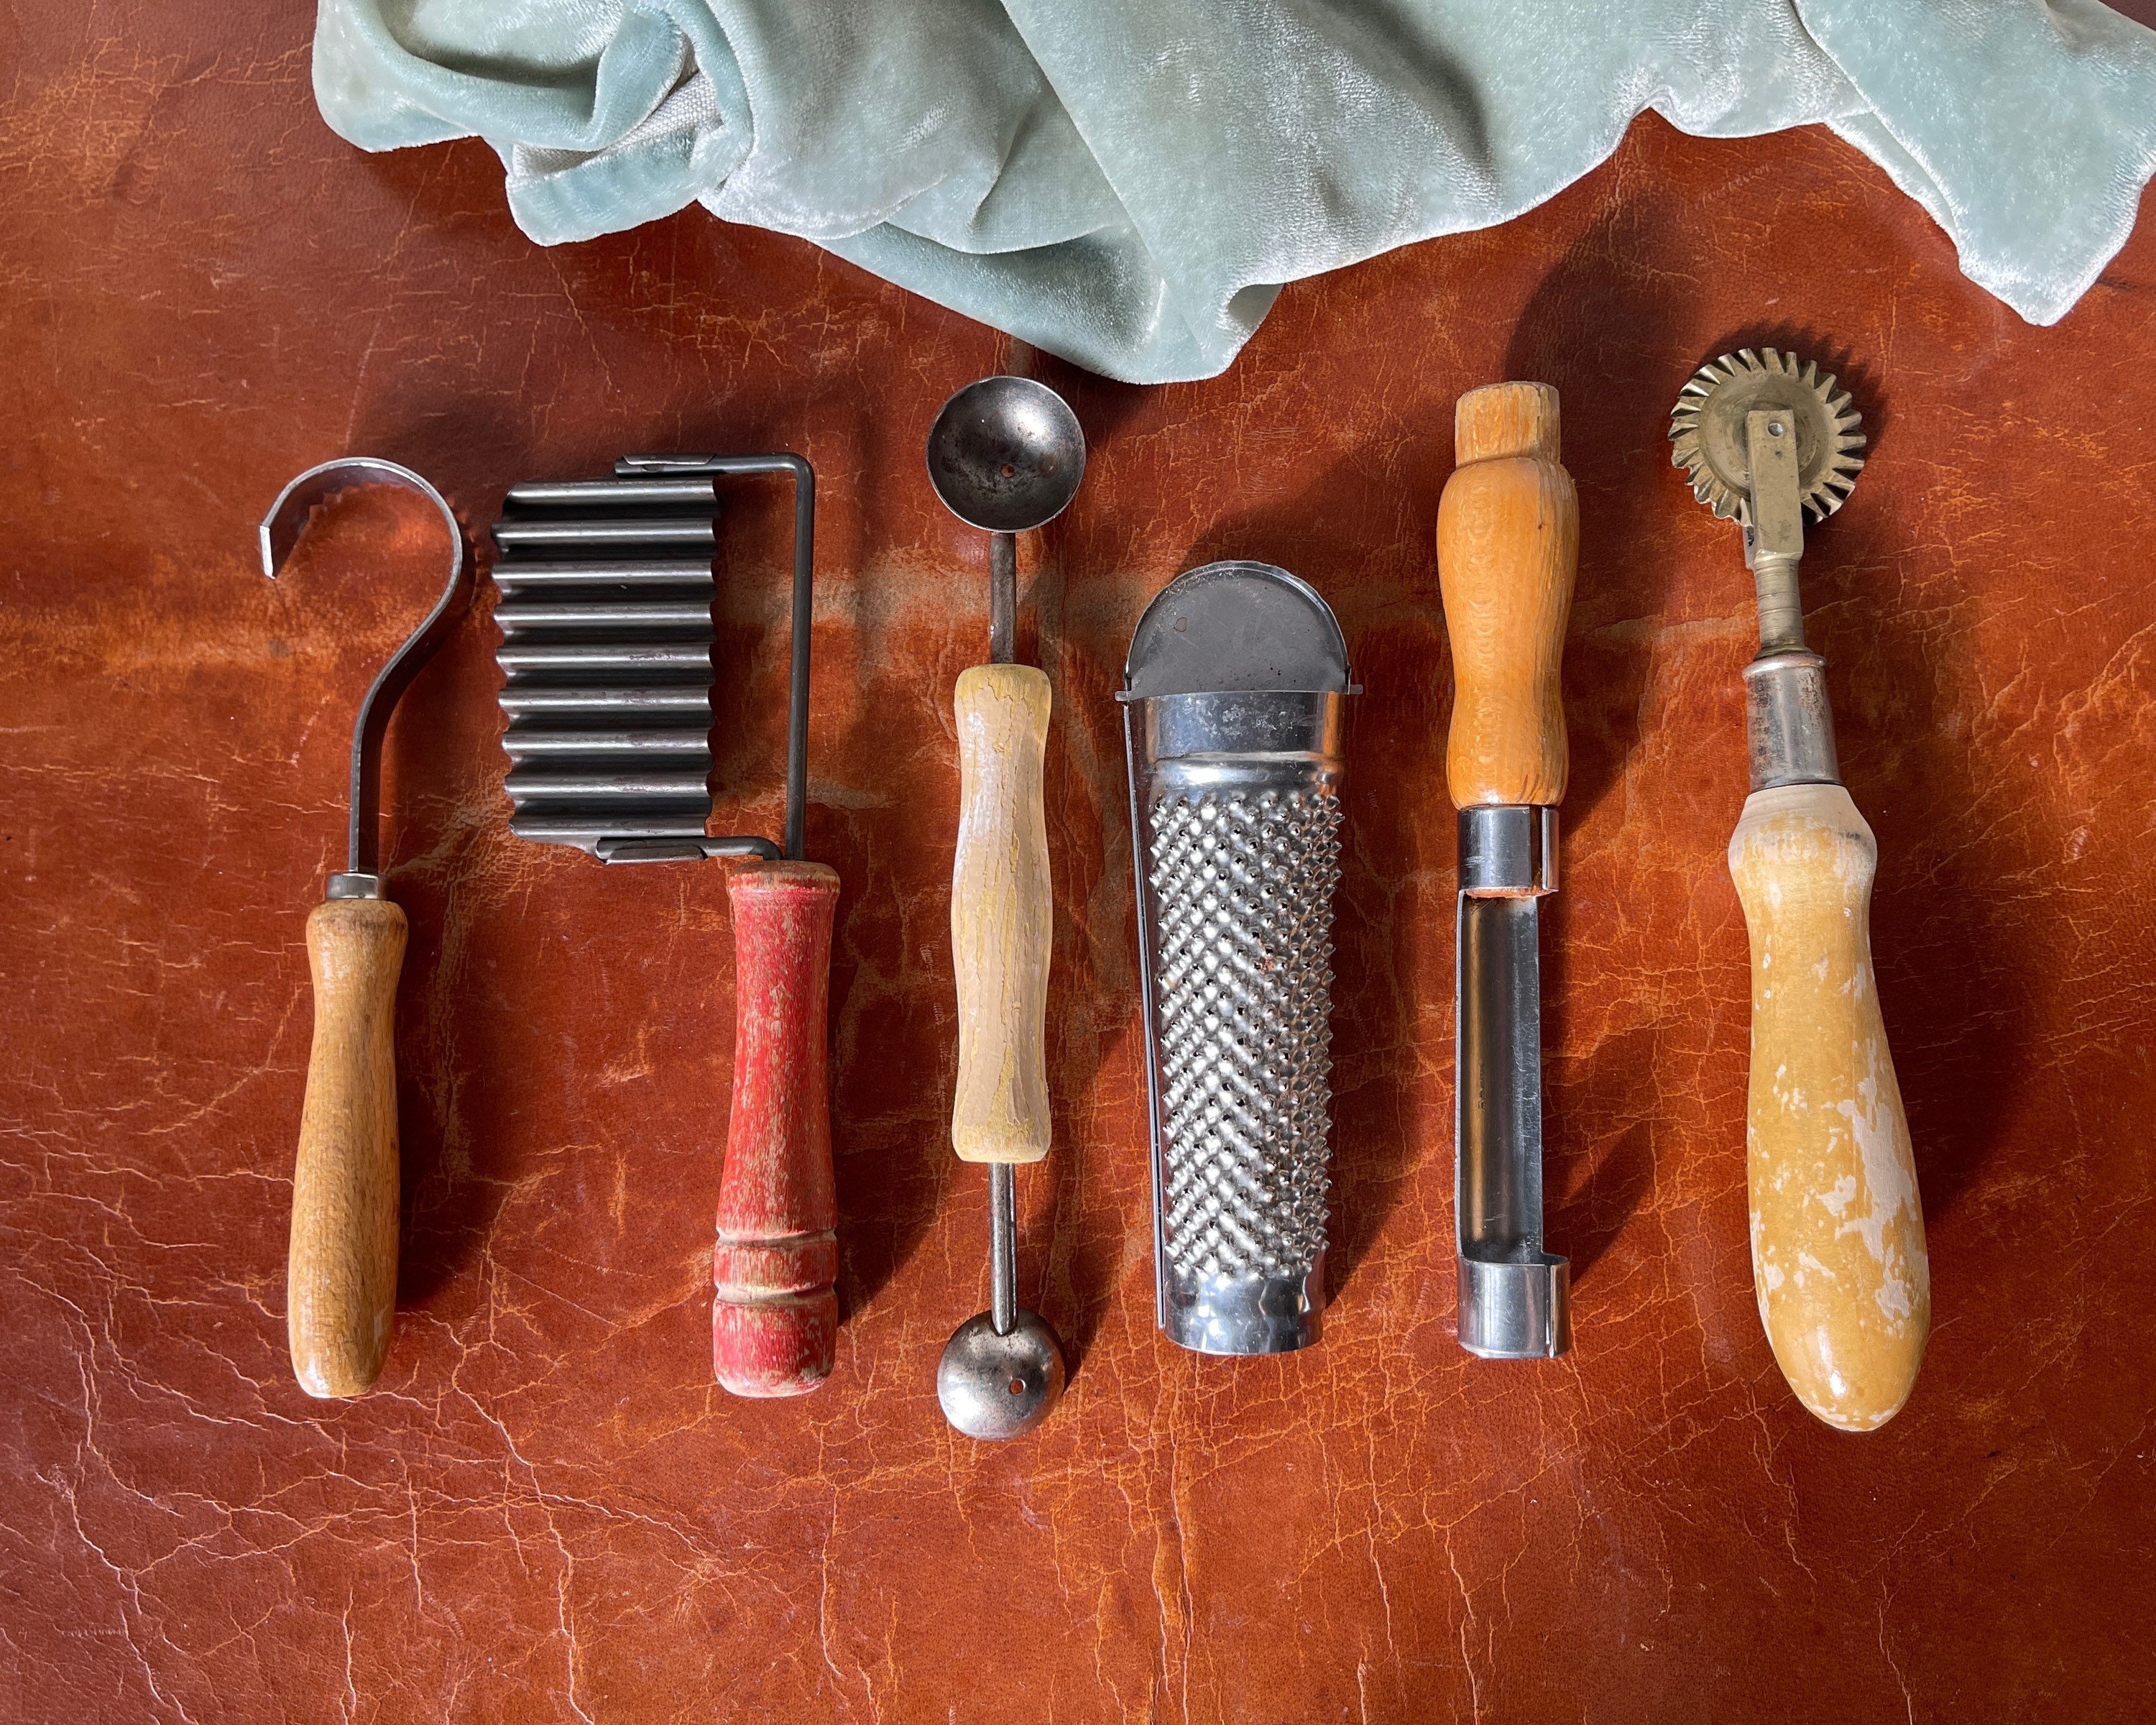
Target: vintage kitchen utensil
1234, 708
1838, 1259
606, 619
1005, 454
340, 1270
1507, 542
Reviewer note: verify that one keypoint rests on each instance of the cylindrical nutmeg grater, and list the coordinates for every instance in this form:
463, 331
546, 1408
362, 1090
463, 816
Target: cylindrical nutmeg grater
1234, 702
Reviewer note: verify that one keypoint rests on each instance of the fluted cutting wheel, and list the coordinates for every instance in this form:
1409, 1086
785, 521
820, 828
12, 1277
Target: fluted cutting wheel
1707, 429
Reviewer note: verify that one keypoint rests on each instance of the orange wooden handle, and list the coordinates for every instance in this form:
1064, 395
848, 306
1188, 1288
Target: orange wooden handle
341, 1274
1507, 543
774, 1310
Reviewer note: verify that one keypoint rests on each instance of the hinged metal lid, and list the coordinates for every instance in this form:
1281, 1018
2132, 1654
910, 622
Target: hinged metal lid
1236, 626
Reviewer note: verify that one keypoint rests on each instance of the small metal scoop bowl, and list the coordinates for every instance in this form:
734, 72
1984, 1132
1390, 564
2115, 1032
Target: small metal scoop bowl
1002, 1371
994, 1387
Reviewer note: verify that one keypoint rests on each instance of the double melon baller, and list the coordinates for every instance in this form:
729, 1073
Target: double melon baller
1005, 454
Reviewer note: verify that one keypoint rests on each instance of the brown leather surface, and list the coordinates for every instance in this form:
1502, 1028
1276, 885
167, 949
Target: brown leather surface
548, 1511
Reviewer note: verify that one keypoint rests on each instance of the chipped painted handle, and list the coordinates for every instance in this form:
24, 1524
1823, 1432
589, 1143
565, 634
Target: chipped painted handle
774, 1307
1001, 912
1838, 1257
1508, 546
341, 1272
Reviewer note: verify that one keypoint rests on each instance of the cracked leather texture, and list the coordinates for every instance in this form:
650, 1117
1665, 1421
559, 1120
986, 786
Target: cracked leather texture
547, 1510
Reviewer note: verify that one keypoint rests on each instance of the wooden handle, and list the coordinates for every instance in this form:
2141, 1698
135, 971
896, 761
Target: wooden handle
1001, 912
1837, 1232
774, 1308
1507, 542
341, 1274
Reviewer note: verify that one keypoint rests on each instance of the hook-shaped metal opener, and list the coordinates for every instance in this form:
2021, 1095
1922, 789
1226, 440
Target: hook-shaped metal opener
281, 531
341, 1272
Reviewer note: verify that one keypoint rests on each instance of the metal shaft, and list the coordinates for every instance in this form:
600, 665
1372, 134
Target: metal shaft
1501, 1076
1003, 1246
1790, 724
1514, 1293
1003, 599
1003, 1177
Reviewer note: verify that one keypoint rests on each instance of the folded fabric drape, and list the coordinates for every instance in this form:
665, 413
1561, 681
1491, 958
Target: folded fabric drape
1129, 182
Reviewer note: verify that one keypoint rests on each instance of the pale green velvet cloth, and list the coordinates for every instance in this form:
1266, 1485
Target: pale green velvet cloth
1129, 182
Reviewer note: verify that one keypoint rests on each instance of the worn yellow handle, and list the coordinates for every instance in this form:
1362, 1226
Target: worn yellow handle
1507, 545
1837, 1231
1001, 909
340, 1277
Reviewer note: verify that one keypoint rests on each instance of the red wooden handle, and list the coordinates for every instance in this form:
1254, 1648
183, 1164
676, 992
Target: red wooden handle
775, 1314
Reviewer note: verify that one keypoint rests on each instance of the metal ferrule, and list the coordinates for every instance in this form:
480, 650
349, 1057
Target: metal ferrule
1789, 726
1780, 605
1515, 1309
1507, 852
1236, 803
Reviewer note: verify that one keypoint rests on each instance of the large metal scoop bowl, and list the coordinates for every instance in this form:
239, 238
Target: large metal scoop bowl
1006, 454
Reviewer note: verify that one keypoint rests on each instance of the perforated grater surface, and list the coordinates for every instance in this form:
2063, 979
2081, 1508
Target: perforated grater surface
1234, 701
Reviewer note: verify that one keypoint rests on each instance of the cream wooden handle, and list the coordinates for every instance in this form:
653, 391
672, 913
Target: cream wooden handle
1507, 545
1838, 1257
1001, 912
341, 1276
